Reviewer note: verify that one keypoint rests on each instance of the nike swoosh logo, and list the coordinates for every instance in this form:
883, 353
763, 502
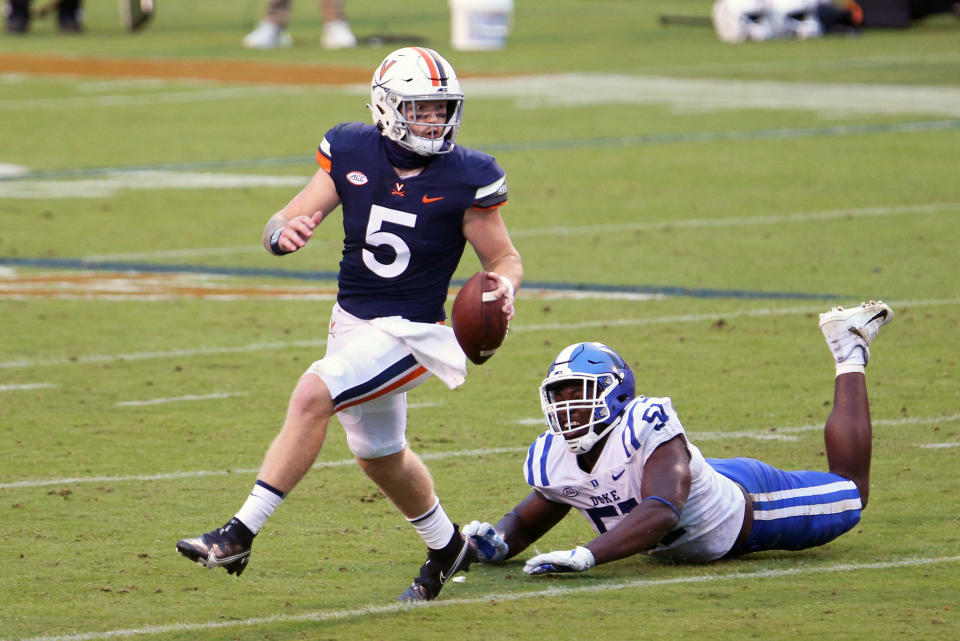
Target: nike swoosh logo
616, 477
428, 199
456, 565
881, 315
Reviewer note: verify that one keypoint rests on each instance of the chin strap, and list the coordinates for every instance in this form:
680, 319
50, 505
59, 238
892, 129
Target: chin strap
586, 442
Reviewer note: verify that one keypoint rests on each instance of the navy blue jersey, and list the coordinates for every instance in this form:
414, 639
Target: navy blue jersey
403, 237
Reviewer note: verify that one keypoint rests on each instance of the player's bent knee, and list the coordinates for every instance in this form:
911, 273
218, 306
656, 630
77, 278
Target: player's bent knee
311, 398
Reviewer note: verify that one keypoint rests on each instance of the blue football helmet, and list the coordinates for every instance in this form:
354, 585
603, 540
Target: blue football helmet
608, 386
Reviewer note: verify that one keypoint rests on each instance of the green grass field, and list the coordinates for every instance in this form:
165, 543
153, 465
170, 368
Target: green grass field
690, 203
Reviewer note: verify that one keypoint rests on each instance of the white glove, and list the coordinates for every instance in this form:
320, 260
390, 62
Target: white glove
491, 548
577, 560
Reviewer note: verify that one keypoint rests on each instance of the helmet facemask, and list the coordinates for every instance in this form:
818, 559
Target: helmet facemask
606, 387
593, 403
412, 111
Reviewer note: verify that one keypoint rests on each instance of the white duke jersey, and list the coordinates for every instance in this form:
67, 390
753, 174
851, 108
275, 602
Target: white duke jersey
711, 518
403, 237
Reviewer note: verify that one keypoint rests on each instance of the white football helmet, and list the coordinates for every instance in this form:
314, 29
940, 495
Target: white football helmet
607, 387
796, 18
404, 78
741, 20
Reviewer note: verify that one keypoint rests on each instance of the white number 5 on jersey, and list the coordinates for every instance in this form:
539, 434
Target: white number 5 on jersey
378, 216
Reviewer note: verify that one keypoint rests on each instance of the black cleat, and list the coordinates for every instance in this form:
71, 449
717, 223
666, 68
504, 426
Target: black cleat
227, 547
439, 567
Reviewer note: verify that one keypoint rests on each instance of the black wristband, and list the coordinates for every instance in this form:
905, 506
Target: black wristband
275, 243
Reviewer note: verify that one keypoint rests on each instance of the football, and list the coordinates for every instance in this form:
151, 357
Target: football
478, 319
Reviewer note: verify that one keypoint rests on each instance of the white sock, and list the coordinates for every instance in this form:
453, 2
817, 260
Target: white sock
856, 361
847, 367
434, 527
261, 503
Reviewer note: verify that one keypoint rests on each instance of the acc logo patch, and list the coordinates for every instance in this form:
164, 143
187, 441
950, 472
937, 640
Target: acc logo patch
570, 492
357, 178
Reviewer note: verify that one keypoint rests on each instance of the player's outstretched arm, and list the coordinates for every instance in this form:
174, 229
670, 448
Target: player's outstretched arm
533, 517
666, 485
290, 228
487, 234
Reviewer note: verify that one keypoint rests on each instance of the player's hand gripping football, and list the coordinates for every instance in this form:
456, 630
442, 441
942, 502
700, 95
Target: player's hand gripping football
297, 231
491, 548
505, 291
576, 560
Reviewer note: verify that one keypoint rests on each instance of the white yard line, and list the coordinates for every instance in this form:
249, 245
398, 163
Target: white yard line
498, 597
783, 433
741, 221
623, 322
575, 89
110, 184
716, 94
697, 318
25, 386
799, 63
765, 433
173, 353
689, 223
177, 399
430, 456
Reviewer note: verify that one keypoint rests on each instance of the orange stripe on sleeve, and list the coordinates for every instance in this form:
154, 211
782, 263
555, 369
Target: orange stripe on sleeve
324, 162
501, 204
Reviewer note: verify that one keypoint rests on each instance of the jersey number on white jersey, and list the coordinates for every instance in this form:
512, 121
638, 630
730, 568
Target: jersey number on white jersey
597, 514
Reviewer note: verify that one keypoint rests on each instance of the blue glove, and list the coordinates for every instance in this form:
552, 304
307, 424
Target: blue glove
491, 548
576, 560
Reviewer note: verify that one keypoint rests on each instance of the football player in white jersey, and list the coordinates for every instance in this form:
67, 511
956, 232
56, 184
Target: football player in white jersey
411, 200
625, 462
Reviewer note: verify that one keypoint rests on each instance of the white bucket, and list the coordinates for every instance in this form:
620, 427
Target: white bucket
478, 25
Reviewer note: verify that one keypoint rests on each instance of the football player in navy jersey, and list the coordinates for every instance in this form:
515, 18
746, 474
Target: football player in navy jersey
624, 462
411, 199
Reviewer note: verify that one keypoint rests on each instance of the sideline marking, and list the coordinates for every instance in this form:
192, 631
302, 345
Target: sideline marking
434, 456
140, 286
177, 399
250, 272
241, 71
556, 591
